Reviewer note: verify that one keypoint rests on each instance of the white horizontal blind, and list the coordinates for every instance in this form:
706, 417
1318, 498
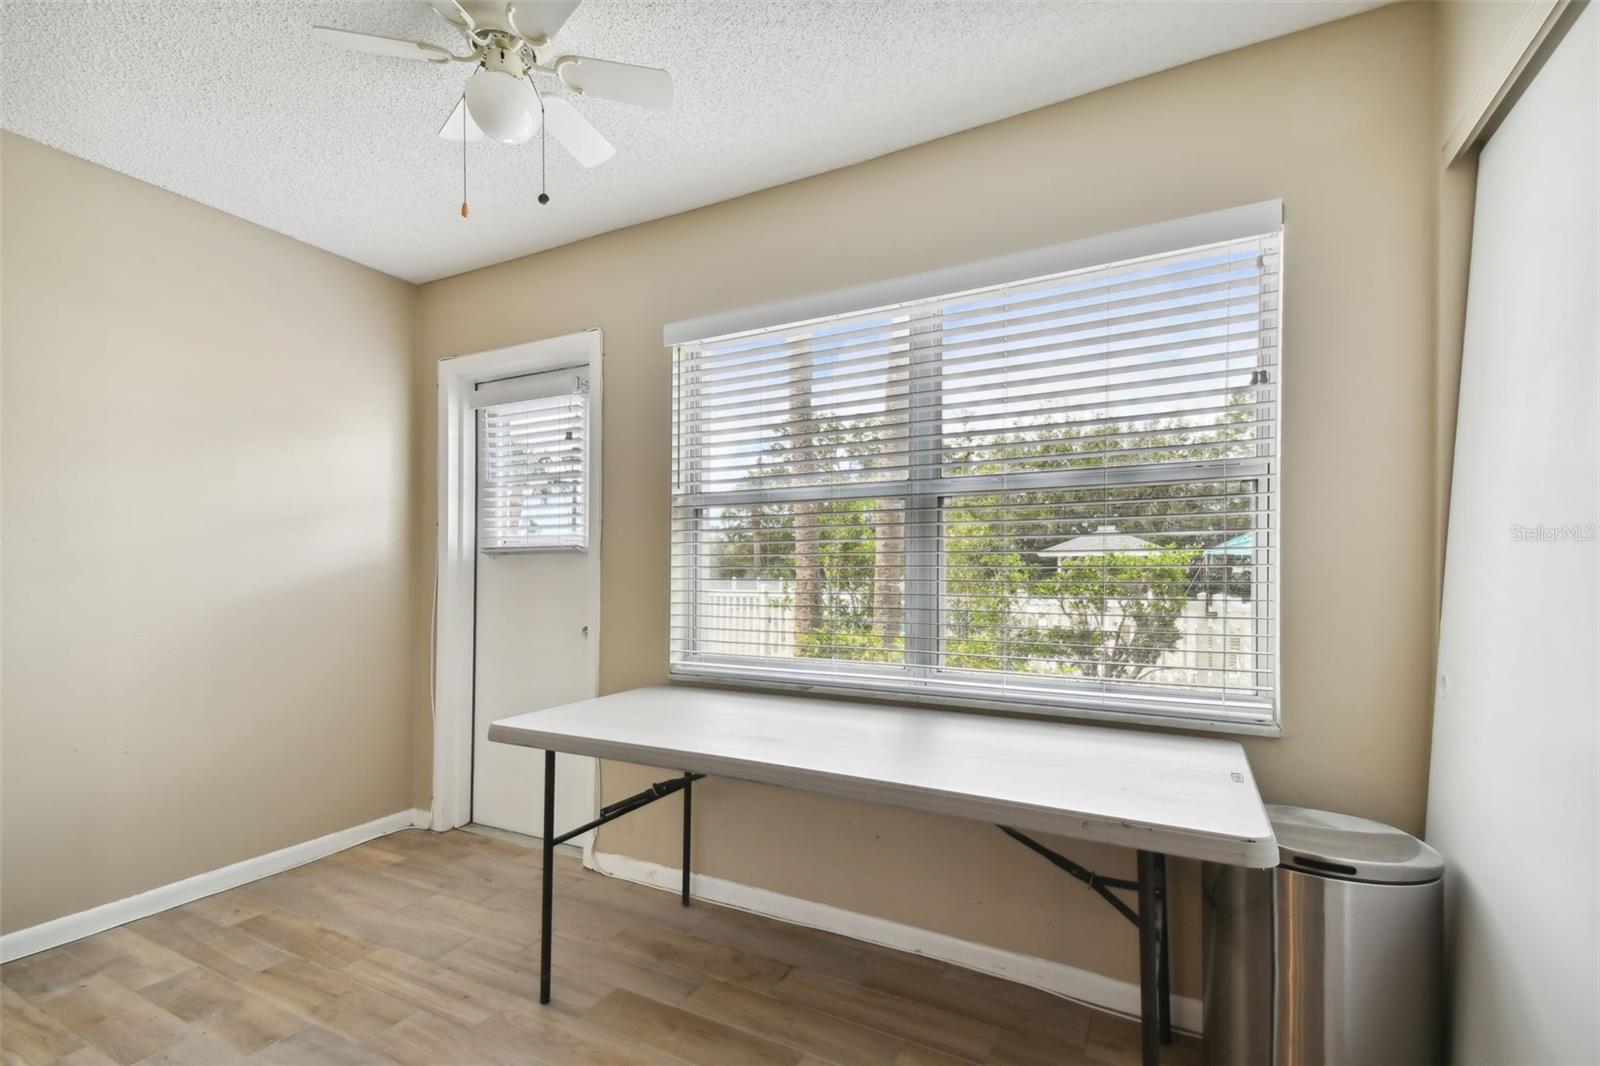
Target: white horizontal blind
533, 474
1054, 493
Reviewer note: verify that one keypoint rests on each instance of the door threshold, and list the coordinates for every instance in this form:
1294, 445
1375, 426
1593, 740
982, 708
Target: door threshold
522, 840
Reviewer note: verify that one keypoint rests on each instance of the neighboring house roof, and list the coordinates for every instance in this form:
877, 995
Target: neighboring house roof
1101, 541
1243, 544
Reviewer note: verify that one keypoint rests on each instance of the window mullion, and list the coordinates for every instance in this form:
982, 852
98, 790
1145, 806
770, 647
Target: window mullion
687, 473
923, 543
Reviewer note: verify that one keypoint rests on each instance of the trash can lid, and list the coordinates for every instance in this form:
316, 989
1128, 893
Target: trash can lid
1356, 849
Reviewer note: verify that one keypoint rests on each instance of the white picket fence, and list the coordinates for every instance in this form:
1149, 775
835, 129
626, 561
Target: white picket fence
746, 618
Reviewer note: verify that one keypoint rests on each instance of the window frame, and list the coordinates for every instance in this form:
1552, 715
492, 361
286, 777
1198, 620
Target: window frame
554, 385
926, 488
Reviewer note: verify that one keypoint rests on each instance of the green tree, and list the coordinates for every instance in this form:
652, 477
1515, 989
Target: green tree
1120, 612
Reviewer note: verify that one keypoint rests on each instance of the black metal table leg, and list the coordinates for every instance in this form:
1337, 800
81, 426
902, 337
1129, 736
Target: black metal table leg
609, 813
1164, 981
688, 799
1149, 961
548, 874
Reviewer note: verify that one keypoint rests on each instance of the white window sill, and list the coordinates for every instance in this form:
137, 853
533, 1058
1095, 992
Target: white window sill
689, 676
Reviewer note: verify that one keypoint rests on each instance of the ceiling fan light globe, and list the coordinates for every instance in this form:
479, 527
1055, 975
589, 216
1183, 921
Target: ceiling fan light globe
503, 106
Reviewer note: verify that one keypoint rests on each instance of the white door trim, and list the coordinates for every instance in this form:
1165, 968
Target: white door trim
457, 546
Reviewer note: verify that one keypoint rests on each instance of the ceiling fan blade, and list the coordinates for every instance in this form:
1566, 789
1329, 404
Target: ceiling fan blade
623, 82
575, 132
452, 129
542, 18
380, 46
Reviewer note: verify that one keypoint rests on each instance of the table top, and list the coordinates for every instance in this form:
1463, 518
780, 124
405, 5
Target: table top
1186, 796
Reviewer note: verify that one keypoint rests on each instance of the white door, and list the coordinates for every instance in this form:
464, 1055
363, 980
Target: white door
537, 591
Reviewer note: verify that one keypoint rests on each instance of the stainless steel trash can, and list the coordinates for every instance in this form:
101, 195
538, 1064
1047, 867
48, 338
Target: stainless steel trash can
1333, 958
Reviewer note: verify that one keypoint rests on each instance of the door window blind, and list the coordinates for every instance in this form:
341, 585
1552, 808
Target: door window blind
1057, 493
533, 474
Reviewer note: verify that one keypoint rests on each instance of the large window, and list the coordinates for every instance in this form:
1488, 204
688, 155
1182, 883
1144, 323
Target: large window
1056, 492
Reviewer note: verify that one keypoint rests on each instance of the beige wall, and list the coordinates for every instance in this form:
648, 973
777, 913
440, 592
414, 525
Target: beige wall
209, 550
1339, 121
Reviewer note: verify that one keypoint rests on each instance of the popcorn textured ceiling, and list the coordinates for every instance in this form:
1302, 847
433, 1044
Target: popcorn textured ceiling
234, 104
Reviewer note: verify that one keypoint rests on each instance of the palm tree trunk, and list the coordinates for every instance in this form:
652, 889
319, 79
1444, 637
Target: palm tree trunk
888, 570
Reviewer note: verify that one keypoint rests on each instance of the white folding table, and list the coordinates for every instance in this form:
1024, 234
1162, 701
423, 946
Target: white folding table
1160, 794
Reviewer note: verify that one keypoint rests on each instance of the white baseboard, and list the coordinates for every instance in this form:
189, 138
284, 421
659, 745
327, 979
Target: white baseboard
1084, 986
72, 927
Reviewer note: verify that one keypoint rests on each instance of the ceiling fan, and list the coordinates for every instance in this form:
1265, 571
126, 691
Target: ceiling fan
501, 99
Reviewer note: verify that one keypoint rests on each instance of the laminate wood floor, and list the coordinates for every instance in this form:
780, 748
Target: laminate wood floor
421, 948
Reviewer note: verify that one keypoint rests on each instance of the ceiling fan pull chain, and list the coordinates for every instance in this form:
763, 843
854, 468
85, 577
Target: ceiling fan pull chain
544, 125
464, 210
544, 197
